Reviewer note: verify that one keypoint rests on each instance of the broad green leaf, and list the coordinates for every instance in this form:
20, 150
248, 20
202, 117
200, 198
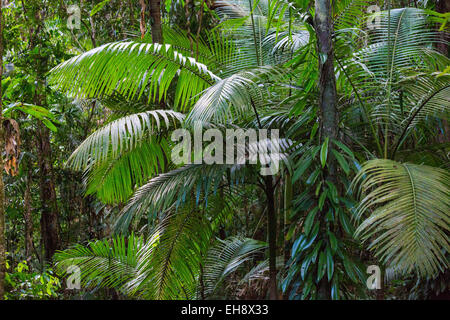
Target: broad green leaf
330, 264
99, 6
310, 220
324, 152
333, 241
321, 266
342, 162
344, 148
322, 198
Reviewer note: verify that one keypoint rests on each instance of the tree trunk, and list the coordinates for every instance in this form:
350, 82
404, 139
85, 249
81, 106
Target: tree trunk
142, 18
49, 217
28, 218
157, 36
2, 187
443, 6
327, 80
327, 98
155, 21
272, 233
49, 208
287, 213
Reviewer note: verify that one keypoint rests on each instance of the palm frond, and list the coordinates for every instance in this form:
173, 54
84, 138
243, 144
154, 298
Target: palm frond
216, 50
400, 42
225, 257
409, 214
132, 69
261, 270
399, 53
104, 263
350, 13
233, 97
125, 153
173, 188
122, 135
115, 179
214, 104
169, 269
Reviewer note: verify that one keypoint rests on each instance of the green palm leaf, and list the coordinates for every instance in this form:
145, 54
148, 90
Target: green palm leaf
132, 68
122, 134
103, 263
234, 97
424, 96
398, 61
169, 269
172, 188
115, 179
125, 153
350, 13
225, 257
409, 214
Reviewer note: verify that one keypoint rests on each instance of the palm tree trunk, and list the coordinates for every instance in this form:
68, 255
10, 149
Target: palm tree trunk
2, 187
327, 98
155, 16
327, 80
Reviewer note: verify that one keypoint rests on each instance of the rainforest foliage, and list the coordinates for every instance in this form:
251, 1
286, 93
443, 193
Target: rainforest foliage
92, 92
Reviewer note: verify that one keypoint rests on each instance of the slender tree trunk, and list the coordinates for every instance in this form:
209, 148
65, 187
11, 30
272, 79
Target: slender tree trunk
287, 213
2, 187
49, 217
199, 29
327, 98
443, 6
49, 208
142, 18
155, 21
93, 33
272, 233
28, 218
327, 80
157, 35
